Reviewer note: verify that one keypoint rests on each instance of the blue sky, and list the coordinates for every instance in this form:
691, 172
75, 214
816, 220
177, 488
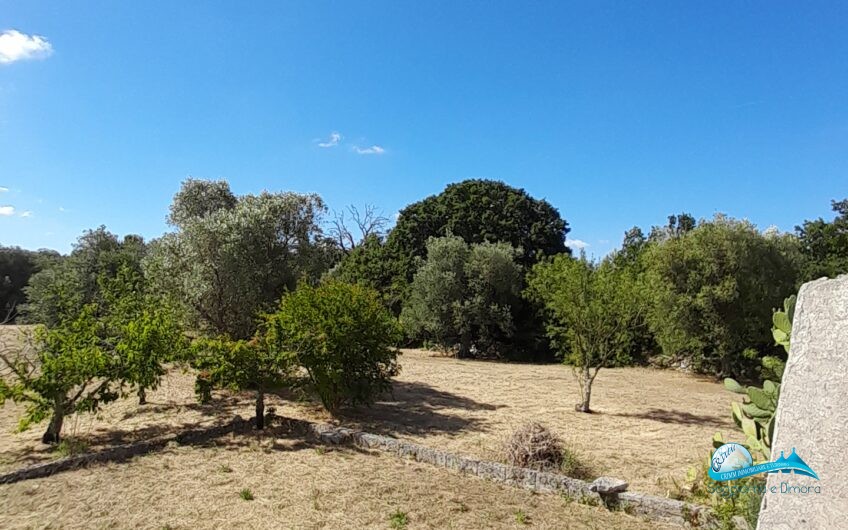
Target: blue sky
618, 113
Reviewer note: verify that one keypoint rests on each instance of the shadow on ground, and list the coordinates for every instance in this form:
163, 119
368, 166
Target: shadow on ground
676, 417
414, 408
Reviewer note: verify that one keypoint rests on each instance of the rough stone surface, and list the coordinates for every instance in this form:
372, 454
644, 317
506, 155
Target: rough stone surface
812, 415
607, 485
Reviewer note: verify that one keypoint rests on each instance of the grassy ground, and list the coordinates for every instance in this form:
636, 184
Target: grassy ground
649, 425
293, 485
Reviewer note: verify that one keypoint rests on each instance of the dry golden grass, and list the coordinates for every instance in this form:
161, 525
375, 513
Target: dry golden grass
294, 486
648, 425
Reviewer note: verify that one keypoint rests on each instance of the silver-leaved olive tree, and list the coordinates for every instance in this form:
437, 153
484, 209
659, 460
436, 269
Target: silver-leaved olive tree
231, 258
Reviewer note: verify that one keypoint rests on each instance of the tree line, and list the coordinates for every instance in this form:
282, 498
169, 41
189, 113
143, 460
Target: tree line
268, 293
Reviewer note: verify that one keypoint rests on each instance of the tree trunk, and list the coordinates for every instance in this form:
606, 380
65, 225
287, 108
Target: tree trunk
585, 391
142, 397
54, 429
260, 409
464, 346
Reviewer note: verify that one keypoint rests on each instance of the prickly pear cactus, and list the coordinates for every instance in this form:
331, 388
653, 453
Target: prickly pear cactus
755, 414
782, 323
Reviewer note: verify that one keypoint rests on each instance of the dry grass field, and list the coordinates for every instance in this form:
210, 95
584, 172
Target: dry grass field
649, 425
294, 485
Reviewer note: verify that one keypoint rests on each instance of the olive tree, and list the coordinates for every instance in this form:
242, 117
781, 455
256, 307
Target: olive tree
464, 294
233, 257
591, 310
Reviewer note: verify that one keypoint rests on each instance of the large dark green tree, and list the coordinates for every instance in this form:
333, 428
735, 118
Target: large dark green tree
825, 244
480, 211
17, 266
711, 290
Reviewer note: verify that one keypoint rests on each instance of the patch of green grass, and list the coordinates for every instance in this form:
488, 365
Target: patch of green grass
521, 517
399, 520
70, 447
573, 466
589, 500
224, 468
246, 494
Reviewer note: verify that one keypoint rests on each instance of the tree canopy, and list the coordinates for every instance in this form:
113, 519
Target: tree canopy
712, 289
228, 263
825, 244
481, 211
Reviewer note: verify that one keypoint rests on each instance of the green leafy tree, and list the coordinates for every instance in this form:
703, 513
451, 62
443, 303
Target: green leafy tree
100, 337
17, 266
241, 365
342, 336
590, 311
711, 289
371, 263
464, 295
479, 211
65, 285
228, 261
82, 363
825, 244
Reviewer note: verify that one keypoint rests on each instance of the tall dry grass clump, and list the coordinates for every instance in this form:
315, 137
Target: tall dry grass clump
535, 446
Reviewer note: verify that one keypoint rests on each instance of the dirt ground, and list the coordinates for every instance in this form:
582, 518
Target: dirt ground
294, 485
649, 425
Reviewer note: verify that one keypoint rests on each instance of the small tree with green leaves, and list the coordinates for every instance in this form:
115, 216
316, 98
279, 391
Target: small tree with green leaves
342, 335
82, 363
591, 309
242, 365
101, 334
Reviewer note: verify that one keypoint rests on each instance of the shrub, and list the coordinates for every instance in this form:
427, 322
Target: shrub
398, 520
344, 338
239, 365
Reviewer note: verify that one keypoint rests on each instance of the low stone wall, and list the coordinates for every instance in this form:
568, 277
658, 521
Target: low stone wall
652, 507
655, 508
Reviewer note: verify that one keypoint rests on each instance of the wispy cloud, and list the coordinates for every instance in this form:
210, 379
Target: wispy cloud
373, 150
7, 210
332, 141
3, 189
17, 46
26, 214
576, 243
63, 209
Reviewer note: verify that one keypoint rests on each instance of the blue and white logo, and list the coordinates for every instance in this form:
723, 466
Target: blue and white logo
733, 461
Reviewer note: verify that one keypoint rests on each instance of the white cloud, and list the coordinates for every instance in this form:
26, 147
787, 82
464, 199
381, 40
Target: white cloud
576, 243
26, 214
332, 141
7, 211
17, 46
3, 189
62, 209
373, 150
